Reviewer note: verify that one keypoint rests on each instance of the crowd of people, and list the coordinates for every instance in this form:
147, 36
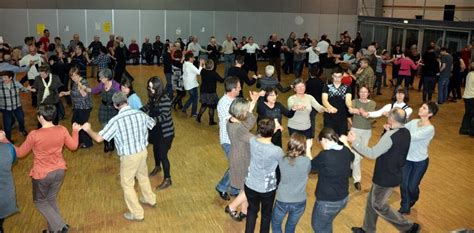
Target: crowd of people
342, 80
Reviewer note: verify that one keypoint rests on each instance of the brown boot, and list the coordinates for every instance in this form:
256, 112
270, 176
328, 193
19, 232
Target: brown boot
165, 184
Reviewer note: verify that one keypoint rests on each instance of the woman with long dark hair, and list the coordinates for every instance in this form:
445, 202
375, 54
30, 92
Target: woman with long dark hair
161, 136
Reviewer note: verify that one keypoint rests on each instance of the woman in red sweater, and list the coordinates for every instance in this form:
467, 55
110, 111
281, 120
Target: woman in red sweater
48, 164
406, 64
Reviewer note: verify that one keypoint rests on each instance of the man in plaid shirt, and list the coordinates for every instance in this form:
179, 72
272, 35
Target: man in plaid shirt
129, 128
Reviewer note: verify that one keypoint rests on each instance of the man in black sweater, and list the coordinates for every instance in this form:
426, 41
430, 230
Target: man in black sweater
390, 154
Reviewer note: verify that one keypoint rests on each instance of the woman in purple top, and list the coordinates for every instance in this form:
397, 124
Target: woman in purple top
106, 88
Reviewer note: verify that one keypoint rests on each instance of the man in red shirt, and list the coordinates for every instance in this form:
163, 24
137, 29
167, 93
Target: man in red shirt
45, 40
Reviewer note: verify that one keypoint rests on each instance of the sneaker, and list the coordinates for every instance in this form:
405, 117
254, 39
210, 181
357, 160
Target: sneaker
130, 217
142, 201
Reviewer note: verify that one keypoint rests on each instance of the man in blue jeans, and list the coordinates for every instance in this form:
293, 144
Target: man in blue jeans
232, 89
444, 75
190, 73
228, 47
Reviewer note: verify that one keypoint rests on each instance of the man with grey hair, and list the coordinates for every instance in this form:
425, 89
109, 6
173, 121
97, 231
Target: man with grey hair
228, 47
390, 154
132, 148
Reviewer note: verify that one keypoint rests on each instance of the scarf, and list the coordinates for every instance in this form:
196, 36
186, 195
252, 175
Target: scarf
46, 92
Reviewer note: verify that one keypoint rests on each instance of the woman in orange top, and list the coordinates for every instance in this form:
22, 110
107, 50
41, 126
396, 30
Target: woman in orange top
48, 164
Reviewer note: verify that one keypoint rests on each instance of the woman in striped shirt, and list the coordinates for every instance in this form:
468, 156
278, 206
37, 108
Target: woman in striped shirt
161, 136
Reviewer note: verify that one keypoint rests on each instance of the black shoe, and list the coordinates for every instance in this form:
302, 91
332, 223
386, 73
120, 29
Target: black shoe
242, 216
357, 230
165, 184
379, 93
198, 118
212, 123
155, 171
106, 146
223, 195
415, 228
404, 212
412, 203
357, 186
233, 214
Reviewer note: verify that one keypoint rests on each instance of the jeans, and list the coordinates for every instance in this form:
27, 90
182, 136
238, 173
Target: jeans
443, 89
324, 213
257, 200
297, 68
228, 62
193, 99
377, 205
295, 211
45, 192
428, 87
412, 172
467, 125
8, 121
378, 81
224, 183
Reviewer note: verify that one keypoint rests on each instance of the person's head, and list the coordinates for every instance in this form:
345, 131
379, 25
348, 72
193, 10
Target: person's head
239, 108
274, 37
228, 37
7, 76
250, 40
103, 50
397, 117
157, 38
292, 35
28, 41
189, 57
120, 100
371, 49
155, 89
232, 86
75, 37
213, 40
46, 33
324, 37
266, 127
296, 146
271, 95
428, 109
32, 50
46, 113
328, 136
7, 57
111, 37
299, 86
314, 72
344, 66
209, 64
105, 75
364, 63
364, 92
314, 42
44, 70
433, 44
78, 50
269, 70
126, 87
239, 59
178, 54
147, 40
74, 73
401, 95
350, 49
443, 51
337, 76
133, 41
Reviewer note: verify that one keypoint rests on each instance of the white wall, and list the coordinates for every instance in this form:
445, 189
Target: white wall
15, 24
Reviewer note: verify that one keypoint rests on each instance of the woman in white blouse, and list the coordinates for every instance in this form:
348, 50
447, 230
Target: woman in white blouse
250, 55
399, 100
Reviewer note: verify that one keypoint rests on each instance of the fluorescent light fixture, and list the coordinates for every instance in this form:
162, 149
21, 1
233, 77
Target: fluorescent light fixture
405, 21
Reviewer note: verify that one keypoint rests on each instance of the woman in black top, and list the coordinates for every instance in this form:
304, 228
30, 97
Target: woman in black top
333, 164
209, 98
268, 107
214, 54
167, 70
80, 59
161, 136
177, 78
239, 72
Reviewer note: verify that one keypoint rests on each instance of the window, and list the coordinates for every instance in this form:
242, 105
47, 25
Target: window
412, 38
397, 37
455, 41
380, 36
366, 31
431, 35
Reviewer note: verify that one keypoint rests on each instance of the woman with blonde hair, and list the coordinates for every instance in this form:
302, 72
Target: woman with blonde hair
291, 194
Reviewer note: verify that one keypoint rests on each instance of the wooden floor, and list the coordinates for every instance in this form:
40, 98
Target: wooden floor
91, 199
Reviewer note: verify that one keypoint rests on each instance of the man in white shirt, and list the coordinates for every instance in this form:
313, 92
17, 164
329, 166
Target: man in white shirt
32, 61
228, 47
195, 48
190, 83
313, 52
